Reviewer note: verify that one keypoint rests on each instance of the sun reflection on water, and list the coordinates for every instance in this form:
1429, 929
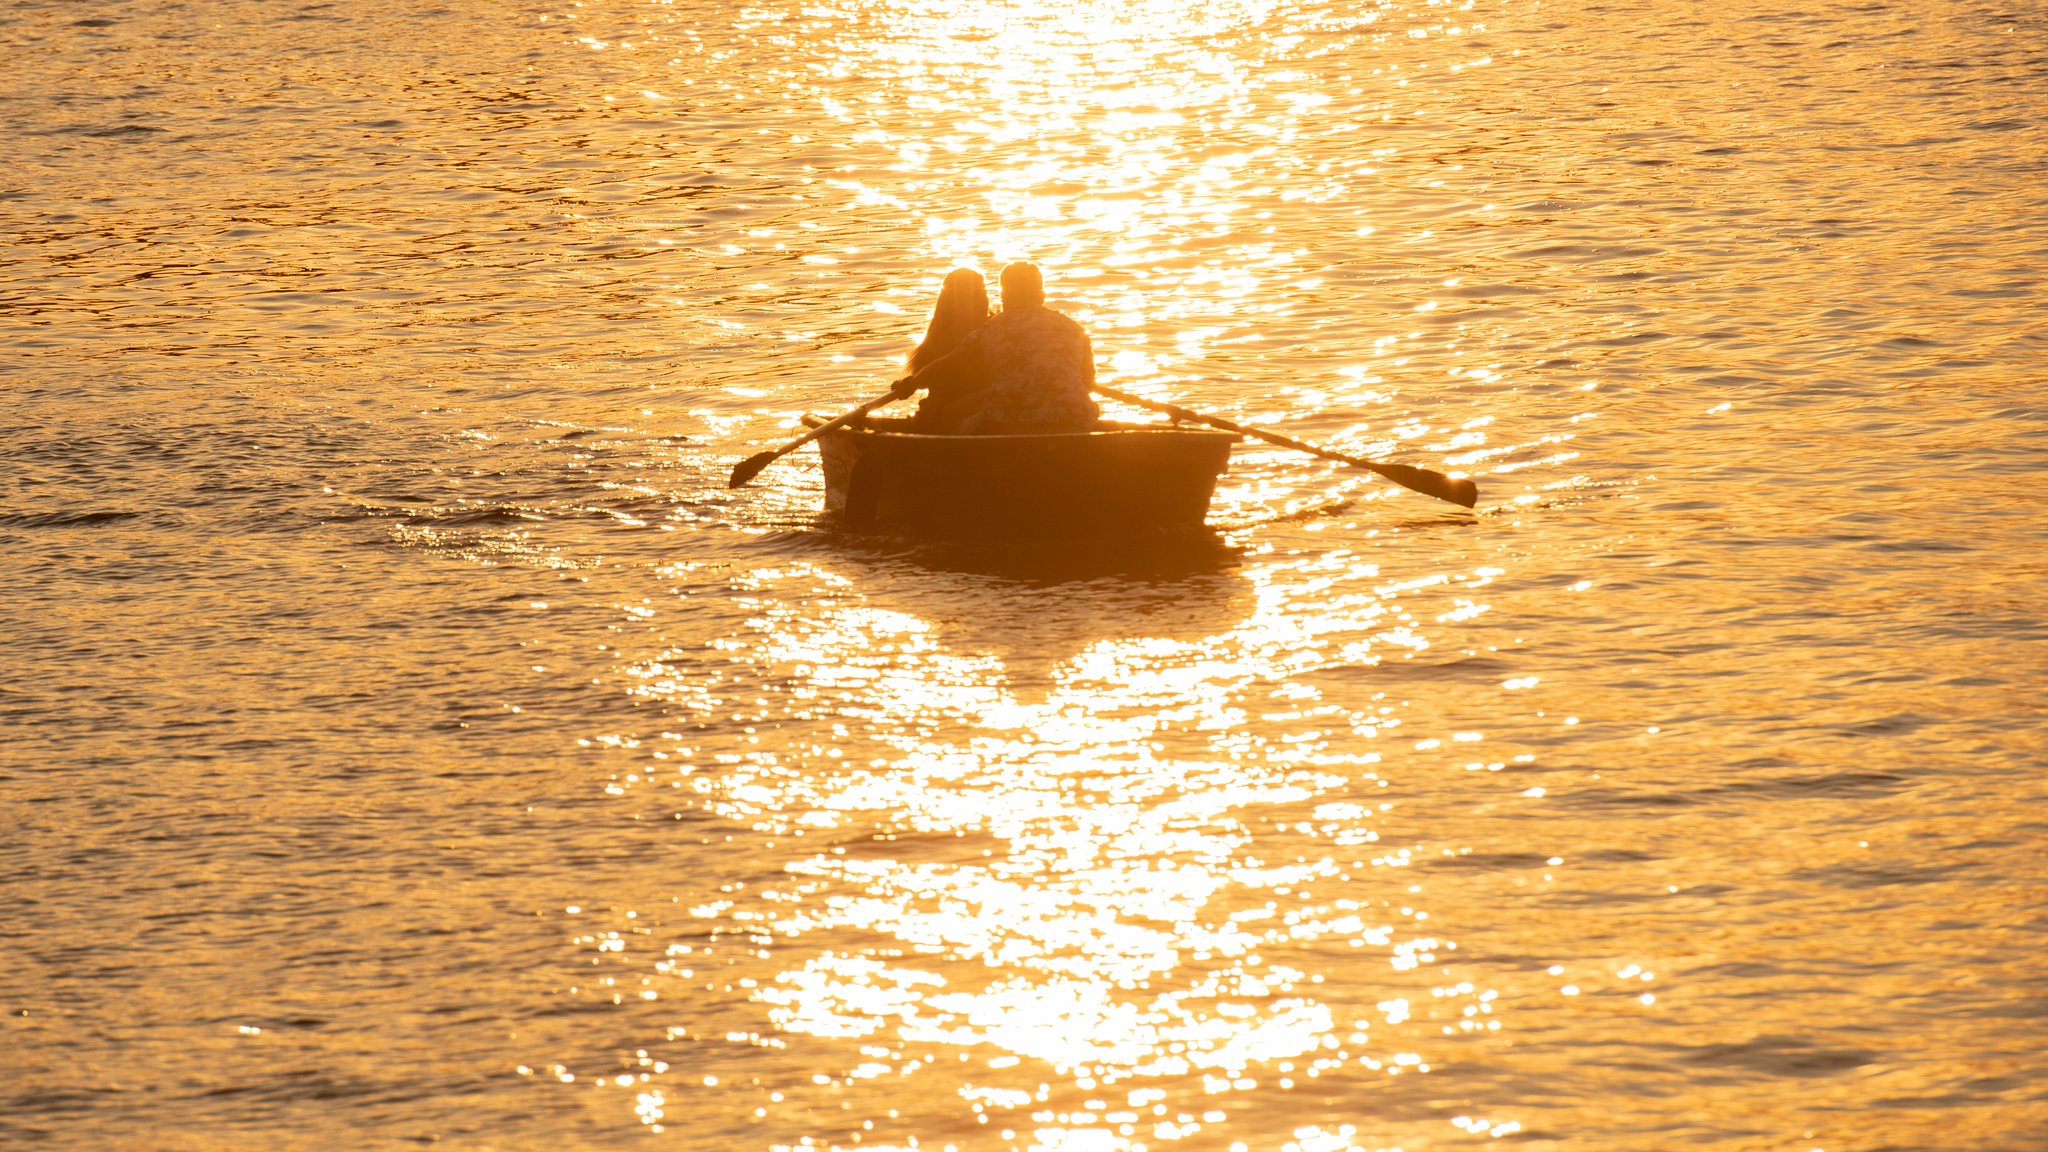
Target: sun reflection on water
1067, 886
1102, 876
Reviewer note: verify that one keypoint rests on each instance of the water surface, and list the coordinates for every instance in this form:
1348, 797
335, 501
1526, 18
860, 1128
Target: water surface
408, 738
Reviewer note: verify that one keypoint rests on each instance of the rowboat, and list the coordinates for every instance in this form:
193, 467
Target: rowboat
1116, 480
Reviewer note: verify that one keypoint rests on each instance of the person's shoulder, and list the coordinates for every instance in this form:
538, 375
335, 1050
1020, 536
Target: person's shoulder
1055, 318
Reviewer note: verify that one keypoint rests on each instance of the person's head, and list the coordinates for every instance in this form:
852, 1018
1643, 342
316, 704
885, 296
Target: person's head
961, 308
963, 299
1023, 285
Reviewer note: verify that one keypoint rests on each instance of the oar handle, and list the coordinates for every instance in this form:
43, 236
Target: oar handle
1453, 489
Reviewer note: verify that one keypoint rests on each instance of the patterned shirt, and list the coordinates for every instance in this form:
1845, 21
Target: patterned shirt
1036, 364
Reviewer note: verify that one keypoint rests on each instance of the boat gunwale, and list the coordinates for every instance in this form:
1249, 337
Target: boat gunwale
813, 420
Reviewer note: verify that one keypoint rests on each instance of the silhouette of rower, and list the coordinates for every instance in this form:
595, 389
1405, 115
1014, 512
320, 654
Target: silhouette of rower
1027, 369
962, 307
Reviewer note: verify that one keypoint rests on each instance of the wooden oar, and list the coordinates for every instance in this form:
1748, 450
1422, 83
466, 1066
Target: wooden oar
751, 467
1421, 480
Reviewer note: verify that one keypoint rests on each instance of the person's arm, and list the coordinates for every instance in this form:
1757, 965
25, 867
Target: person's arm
949, 373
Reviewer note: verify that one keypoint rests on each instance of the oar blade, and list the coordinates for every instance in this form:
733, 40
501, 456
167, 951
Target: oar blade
751, 467
1451, 488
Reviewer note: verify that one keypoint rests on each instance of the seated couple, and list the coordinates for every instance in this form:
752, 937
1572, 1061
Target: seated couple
1025, 368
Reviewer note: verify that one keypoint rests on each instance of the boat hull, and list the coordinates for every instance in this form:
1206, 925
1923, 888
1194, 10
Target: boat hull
1118, 480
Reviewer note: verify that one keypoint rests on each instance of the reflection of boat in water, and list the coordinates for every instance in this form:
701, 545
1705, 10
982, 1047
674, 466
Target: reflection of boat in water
1116, 481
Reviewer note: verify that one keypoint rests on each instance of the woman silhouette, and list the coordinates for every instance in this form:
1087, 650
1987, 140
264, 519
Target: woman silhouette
962, 307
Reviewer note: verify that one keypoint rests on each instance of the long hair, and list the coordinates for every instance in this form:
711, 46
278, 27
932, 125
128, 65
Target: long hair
962, 307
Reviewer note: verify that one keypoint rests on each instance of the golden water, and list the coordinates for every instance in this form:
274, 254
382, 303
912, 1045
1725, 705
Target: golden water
408, 738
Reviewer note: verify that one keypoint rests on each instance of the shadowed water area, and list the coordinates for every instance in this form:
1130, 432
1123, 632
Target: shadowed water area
405, 737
